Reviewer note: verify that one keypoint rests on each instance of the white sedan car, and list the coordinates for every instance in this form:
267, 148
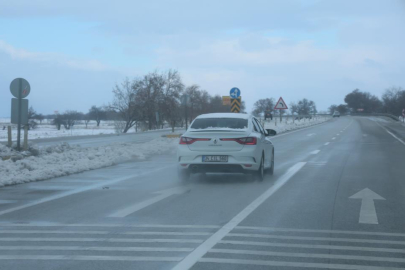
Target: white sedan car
226, 143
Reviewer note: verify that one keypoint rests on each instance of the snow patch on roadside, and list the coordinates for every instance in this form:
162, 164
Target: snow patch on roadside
60, 160
290, 124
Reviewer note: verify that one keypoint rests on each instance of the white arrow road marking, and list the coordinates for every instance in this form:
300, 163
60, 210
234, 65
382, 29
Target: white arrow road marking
311, 134
368, 214
136, 207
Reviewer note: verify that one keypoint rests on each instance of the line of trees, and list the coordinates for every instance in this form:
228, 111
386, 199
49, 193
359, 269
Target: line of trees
302, 107
392, 102
160, 97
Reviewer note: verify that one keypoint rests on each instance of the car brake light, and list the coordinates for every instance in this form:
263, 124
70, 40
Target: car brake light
187, 140
245, 140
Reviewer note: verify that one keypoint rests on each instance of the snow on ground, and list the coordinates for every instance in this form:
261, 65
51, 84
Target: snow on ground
60, 160
63, 159
288, 123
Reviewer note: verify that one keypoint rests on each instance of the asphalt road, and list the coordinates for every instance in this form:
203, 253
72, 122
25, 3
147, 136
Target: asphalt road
336, 201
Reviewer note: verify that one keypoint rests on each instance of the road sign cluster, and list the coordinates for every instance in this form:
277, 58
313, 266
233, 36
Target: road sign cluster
236, 99
19, 88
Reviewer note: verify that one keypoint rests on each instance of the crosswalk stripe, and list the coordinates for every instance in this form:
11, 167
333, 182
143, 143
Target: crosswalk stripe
89, 258
296, 264
102, 232
352, 240
318, 231
308, 255
313, 246
83, 248
113, 225
118, 240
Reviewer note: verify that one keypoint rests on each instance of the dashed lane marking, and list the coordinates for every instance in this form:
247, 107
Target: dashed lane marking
315, 152
326, 143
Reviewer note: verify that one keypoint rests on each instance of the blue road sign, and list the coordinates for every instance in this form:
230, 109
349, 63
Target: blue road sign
234, 93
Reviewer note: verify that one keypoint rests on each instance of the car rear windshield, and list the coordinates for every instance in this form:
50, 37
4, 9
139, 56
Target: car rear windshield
220, 123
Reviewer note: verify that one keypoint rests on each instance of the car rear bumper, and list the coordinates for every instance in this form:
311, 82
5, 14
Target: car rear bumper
216, 168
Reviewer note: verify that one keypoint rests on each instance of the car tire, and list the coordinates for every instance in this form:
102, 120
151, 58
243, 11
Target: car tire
260, 171
184, 175
271, 170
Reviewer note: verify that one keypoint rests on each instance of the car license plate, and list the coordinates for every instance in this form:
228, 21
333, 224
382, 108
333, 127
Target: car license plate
215, 158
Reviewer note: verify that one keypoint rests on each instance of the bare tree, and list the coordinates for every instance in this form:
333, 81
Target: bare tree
69, 118
172, 90
125, 103
263, 105
97, 114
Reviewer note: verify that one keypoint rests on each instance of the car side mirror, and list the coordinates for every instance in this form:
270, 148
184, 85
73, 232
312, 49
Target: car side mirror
271, 132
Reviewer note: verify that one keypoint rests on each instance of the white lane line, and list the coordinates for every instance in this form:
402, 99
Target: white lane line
338, 134
90, 258
201, 250
389, 132
333, 138
139, 206
327, 143
323, 247
76, 191
304, 238
296, 264
315, 152
112, 225
308, 255
319, 231
103, 233
393, 135
83, 248
109, 240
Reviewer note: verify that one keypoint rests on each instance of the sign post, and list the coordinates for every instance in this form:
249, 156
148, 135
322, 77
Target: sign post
403, 115
20, 89
236, 99
281, 105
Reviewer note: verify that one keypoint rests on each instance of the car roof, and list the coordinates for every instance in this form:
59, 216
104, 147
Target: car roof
224, 115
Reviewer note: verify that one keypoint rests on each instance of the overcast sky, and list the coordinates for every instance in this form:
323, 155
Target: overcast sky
73, 52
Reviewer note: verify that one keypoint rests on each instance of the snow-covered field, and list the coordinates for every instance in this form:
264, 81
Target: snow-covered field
63, 159
46, 130
288, 123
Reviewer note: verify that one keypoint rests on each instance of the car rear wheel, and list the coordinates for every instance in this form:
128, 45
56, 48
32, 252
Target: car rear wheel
271, 170
183, 175
260, 172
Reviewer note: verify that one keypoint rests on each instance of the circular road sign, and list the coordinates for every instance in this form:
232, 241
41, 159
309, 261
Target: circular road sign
15, 88
234, 93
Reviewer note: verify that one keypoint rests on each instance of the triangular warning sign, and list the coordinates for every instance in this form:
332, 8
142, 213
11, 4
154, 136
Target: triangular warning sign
281, 105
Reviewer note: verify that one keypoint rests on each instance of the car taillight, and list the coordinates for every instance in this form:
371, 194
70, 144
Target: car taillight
187, 140
245, 140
